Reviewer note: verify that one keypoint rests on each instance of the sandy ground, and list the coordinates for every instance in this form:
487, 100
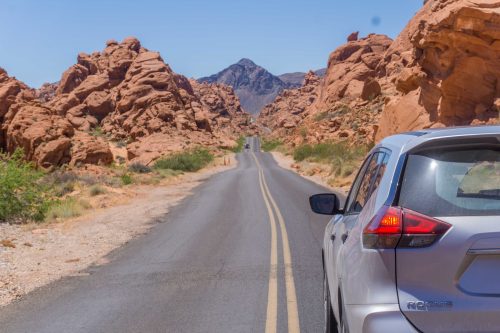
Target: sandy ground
287, 162
34, 255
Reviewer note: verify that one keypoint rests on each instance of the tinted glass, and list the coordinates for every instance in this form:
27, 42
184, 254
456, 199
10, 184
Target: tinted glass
370, 181
355, 185
453, 182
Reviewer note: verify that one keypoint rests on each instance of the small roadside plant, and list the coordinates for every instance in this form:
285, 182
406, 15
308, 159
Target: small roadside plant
343, 158
270, 145
126, 179
139, 168
322, 116
303, 132
22, 196
67, 208
97, 131
189, 161
239, 145
96, 190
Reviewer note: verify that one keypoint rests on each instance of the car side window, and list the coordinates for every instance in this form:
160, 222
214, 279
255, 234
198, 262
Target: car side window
356, 183
370, 182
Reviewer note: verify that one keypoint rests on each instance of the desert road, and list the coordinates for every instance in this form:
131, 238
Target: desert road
242, 254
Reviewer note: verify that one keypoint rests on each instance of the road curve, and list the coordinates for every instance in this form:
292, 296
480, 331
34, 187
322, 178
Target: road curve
208, 267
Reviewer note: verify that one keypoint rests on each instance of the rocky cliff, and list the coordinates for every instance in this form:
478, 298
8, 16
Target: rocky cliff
125, 92
344, 104
442, 70
445, 65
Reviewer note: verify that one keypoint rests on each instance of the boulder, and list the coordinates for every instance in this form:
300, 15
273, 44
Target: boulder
88, 149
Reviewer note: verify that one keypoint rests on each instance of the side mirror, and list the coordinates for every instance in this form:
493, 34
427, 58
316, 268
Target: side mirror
325, 204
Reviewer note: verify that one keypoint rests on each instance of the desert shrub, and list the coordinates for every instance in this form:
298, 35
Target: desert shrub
61, 189
269, 145
121, 143
239, 145
120, 160
60, 176
139, 168
96, 189
126, 179
344, 159
115, 182
60, 181
97, 131
303, 132
88, 179
67, 208
191, 161
22, 195
341, 110
167, 173
322, 116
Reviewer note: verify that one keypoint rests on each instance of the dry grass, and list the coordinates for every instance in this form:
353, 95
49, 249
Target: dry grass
67, 208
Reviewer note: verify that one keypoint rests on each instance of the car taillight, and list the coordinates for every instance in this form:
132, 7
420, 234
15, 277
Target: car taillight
404, 228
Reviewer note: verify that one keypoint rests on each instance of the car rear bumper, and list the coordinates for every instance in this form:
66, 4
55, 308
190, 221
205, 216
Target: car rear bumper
377, 318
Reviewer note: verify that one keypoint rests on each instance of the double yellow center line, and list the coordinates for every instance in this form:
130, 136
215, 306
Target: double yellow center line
272, 297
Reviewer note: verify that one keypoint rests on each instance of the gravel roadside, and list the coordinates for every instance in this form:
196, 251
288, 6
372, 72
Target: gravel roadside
36, 254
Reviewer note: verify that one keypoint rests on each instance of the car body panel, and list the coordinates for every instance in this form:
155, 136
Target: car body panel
466, 284
377, 318
367, 281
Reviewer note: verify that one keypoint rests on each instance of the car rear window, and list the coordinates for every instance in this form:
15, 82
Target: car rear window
453, 182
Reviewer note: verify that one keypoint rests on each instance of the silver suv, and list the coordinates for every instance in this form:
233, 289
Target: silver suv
416, 246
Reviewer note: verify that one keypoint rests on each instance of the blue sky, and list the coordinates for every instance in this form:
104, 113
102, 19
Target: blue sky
41, 39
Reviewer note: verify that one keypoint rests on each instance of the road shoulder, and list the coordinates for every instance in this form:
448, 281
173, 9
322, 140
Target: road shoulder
40, 254
287, 162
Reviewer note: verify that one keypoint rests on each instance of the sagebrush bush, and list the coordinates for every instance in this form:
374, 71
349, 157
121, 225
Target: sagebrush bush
139, 168
270, 145
22, 195
191, 161
61, 189
343, 158
126, 179
97, 189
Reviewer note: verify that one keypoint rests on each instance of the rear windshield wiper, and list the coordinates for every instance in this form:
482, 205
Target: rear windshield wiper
493, 194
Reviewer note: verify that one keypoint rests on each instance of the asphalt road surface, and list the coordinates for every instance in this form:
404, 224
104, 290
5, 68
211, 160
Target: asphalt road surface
243, 254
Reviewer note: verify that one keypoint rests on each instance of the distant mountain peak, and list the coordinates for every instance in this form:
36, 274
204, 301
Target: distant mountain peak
246, 62
254, 85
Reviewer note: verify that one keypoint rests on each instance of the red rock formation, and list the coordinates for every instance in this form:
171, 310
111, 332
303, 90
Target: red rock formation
350, 67
445, 65
127, 91
353, 36
289, 108
46, 92
442, 70
344, 105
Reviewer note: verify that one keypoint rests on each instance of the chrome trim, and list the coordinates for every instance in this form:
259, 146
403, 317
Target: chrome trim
476, 252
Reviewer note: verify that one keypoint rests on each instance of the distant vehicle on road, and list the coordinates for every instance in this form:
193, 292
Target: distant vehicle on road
247, 146
416, 246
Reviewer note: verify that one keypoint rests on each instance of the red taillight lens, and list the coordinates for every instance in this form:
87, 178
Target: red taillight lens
416, 223
394, 226
420, 230
384, 230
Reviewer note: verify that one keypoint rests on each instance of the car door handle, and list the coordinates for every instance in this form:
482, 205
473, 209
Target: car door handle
344, 237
